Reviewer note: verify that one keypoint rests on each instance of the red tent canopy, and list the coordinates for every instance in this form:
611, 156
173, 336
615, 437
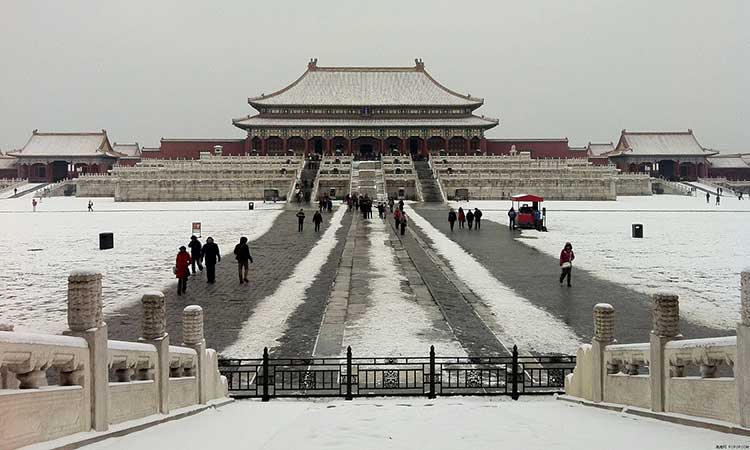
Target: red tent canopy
526, 198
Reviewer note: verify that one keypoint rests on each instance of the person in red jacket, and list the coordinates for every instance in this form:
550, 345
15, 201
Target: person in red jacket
566, 262
182, 269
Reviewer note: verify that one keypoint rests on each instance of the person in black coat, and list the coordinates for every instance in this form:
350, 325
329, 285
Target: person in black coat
210, 254
452, 218
242, 254
301, 219
477, 218
317, 219
402, 223
470, 219
195, 253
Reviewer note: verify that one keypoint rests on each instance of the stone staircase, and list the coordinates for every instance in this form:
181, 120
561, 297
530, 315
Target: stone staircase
307, 178
367, 179
428, 184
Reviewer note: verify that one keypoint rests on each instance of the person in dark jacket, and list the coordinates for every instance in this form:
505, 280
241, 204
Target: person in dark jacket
512, 218
470, 219
461, 217
195, 253
210, 254
242, 254
402, 222
452, 218
182, 269
301, 219
401, 204
566, 262
477, 218
317, 220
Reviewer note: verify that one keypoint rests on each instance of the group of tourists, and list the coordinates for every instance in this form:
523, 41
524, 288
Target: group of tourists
209, 255
472, 219
317, 219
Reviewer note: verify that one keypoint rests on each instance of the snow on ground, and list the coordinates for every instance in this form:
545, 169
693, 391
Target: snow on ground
414, 423
393, 324
518, 317
691, 248
268, 322
40, 249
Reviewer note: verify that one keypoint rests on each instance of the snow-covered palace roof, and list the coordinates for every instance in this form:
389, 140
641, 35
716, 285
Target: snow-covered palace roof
67, 144
659, 143
127, 149
597, 149
730, 161
365, 86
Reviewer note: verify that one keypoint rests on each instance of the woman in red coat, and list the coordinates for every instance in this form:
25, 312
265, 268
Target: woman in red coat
566, 262
181, 269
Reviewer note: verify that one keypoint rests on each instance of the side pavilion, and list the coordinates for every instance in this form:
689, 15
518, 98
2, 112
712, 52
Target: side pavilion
671, 155
50, 157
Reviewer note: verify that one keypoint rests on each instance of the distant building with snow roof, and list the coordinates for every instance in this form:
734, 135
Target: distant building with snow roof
732, 166
671, 155
49, 157
7, 166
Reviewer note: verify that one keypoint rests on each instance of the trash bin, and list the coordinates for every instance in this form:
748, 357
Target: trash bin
106, 241
637, 230
251, 205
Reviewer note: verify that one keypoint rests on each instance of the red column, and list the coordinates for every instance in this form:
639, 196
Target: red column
263, 150
49, 172
348, 147
326, 147
467, 146
283, 147
401, 143
676, 169
483, 145
307, 147
246, 144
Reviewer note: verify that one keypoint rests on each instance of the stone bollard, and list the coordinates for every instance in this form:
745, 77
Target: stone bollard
742, 363
192, 336
85, 320
155, 333
665, 322
604, 329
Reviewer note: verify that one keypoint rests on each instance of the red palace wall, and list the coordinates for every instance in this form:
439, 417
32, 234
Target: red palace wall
730, 174
542, 148
191, 149
9, 173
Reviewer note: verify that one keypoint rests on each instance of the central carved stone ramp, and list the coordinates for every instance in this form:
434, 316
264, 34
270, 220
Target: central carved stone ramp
367, 179
428, 183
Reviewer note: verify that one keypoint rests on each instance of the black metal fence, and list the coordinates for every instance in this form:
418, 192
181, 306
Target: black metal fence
429, 376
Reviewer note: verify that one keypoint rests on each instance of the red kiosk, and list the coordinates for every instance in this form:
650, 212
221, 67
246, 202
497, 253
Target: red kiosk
524, 212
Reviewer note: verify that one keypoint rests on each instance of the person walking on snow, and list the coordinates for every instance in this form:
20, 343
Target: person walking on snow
461, 217
91, 206
397, 218
478, 218
718, 199
301, 219
470, 219
182, 270
33, 204
402, 223
210, 254
566, 262
195, 253
512, 218
708, 197
317, 219
452, 218
242, 254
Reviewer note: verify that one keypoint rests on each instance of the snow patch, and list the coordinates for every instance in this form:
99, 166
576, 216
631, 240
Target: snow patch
268, 322
520, 319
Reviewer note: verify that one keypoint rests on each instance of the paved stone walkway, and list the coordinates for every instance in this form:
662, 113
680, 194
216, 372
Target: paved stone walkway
227, 304
534, 276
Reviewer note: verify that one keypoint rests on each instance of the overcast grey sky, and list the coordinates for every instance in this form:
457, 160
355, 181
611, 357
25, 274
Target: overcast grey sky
581, 69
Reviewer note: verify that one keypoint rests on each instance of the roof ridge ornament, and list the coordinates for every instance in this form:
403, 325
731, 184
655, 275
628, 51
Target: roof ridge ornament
313, 64
419, 64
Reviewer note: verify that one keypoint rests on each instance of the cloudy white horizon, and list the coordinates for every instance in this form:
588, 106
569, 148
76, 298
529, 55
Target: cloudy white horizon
582, 70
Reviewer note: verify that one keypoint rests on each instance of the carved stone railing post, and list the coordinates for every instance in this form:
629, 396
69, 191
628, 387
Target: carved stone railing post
192, 336
604, 331
85, 320
665, 328
155, 332
742, 364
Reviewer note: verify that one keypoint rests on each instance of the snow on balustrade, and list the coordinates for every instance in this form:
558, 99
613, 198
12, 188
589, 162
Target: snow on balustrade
712, 392
99, 382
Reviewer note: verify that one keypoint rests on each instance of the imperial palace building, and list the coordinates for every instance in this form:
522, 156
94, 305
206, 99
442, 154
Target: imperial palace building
365, 112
